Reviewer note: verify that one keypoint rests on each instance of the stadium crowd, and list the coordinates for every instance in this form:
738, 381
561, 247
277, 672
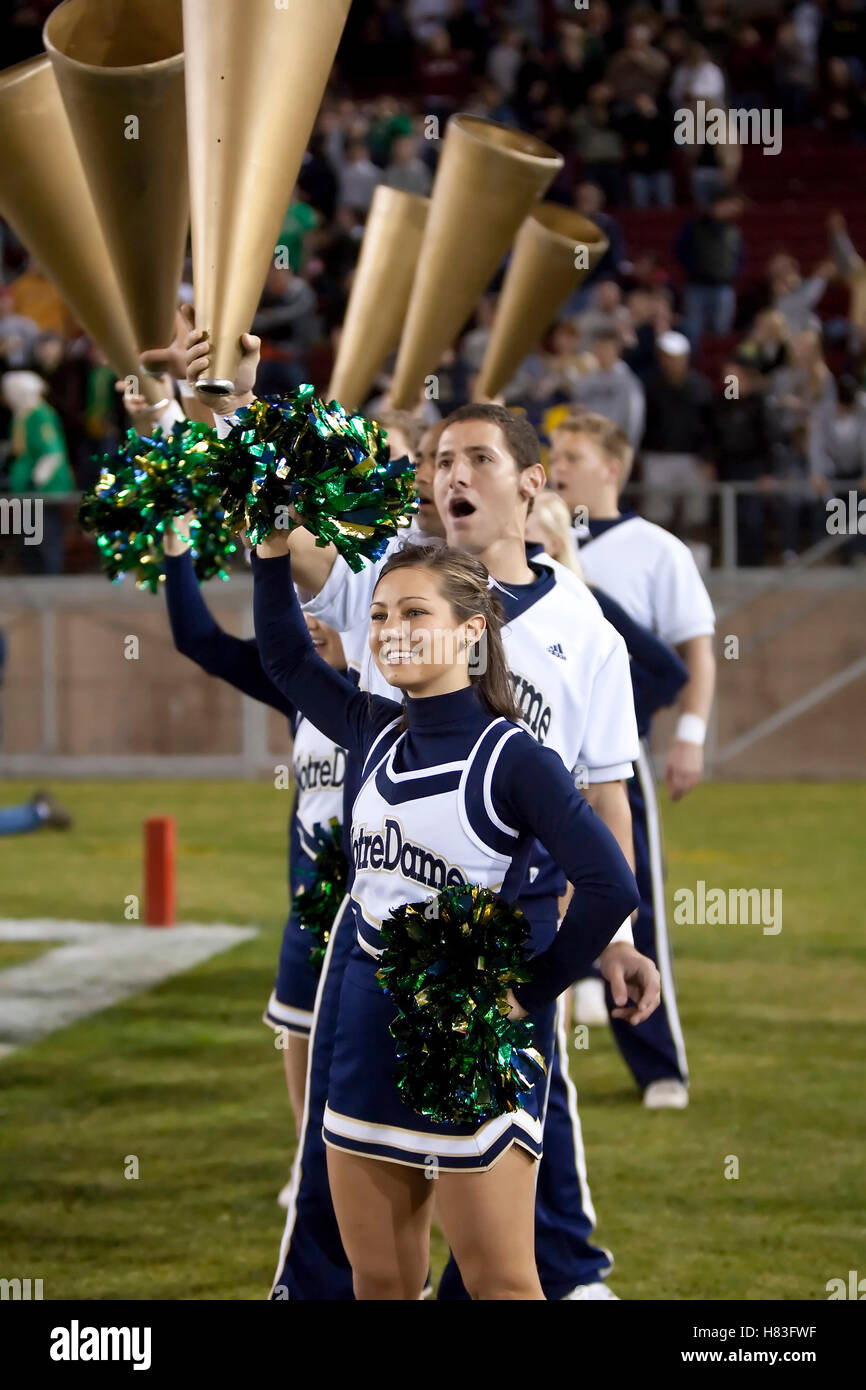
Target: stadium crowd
719, 367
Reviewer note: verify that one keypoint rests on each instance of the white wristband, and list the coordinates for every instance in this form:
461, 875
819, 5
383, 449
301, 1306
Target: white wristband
171, 415
222, 425
623, 933
691, 729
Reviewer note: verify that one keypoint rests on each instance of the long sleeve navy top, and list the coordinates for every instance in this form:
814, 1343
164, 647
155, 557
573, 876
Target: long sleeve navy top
198, 635
531, 788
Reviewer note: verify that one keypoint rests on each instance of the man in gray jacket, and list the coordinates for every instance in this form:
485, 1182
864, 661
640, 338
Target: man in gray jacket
613, 390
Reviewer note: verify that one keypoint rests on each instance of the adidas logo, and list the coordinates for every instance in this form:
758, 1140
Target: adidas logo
556, 650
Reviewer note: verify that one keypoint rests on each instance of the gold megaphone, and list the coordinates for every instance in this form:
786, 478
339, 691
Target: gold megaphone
119, 67
255, 74
45, 197
554, 250
380, 292
487, 181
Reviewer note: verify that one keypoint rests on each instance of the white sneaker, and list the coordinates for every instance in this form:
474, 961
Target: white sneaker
595, 1292
669, 1094
284, 1196
589, 1005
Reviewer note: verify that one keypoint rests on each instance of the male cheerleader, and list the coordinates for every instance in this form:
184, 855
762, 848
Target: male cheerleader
653, 576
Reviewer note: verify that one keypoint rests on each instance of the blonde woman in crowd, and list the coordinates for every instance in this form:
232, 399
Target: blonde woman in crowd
549, 525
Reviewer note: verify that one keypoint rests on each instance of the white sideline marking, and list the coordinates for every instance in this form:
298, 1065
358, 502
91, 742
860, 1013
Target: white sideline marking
101, 965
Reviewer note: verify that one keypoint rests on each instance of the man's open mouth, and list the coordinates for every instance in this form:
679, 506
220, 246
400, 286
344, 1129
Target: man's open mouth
460, 507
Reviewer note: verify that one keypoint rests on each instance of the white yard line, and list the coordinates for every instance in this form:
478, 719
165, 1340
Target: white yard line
101, 965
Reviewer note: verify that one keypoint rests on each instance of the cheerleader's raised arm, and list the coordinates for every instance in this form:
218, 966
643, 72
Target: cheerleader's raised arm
198, 635
336, 707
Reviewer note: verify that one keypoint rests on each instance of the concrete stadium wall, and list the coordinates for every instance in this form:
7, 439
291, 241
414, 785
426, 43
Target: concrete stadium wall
76, 702
791, 704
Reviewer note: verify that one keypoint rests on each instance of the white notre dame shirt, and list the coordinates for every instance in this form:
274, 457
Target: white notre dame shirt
344, 600
569, 666
652, 574
319, 773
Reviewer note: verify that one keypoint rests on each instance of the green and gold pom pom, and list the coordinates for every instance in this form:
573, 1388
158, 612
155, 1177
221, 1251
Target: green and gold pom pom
447, 965
151, 480
330, 467
322, 887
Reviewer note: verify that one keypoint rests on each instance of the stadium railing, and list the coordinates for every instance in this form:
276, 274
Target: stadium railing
722, 531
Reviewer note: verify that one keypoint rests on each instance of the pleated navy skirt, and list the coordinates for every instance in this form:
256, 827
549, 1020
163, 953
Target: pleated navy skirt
365, 1113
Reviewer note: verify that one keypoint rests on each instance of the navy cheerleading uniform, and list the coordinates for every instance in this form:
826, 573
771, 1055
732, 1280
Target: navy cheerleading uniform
319, 767
570, 672
449, 794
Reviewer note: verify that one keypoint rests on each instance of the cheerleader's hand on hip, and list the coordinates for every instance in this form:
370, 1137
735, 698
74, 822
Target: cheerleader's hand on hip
634, 981
198, 349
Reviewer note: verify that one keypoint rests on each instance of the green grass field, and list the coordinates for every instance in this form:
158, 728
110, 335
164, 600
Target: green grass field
187, 1078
